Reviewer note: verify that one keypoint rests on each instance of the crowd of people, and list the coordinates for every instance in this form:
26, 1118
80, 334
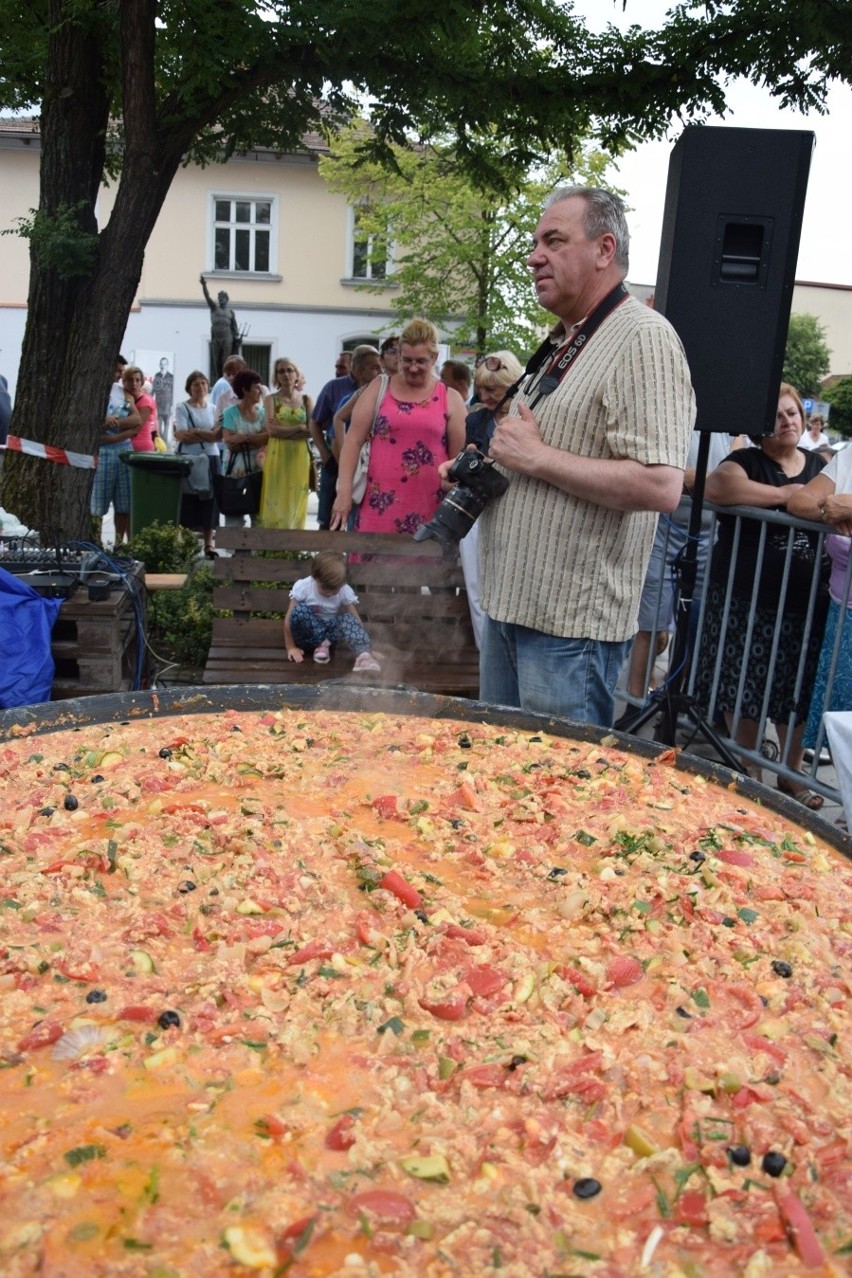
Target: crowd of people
567, 572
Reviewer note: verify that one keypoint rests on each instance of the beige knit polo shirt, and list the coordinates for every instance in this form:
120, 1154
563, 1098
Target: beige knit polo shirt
566, 566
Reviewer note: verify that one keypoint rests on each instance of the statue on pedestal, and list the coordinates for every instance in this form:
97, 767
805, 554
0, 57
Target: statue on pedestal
224, 334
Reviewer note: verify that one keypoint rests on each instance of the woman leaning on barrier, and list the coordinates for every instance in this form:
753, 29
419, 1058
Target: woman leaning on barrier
828, 499
767, 477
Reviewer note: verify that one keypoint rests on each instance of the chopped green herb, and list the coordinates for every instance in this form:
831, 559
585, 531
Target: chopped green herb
83, 1231
663, 1204
747, 916
84, 1154
583, 836
395, 1025
700, 997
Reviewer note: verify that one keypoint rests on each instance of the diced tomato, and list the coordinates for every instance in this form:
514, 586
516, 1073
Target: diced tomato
470, 935
385, 1205
801, 1230
463, 797
758, 1043
313, 950
135, 1012
297, 1228
489, 1075
582, 984
450, 1009
733, 856
41, 1035
691, 1208
81, 971
401, 889
274, 1125
385, 806
484, 981
341, 1136
366, 930
624, 971
199, 940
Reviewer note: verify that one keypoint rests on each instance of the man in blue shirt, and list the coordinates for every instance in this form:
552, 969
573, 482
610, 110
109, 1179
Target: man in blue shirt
321, 426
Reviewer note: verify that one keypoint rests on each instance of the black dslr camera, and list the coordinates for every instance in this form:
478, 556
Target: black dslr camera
477, 482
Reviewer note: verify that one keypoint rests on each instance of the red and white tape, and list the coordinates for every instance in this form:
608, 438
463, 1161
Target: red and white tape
49, 453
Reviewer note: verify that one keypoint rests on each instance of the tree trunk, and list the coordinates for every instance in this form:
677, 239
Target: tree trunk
74, 325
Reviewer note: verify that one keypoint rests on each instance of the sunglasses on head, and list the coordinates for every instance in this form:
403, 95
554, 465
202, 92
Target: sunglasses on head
493, 363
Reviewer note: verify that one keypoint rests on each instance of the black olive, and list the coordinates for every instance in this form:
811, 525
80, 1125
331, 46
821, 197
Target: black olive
681, 1011
421, 915
583, 774
46, 811
740, 1155
697, 857
557, 872
465, 742
535, 740
773, 1078
61, 767
515, 1062
96, 996
96, 779
456, 823
729, 922
187, 886
588, 1187
780, 968
773, 1162
70, 803
235, 727
165, 753
168, 1020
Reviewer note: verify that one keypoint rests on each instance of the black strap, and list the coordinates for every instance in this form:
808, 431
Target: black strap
560, 366
579, 340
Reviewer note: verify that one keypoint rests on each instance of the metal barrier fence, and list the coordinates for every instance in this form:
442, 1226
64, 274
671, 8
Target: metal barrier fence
768, 748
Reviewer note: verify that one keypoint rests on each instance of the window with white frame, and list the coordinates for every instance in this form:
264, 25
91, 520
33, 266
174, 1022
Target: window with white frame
243, 233
370, 248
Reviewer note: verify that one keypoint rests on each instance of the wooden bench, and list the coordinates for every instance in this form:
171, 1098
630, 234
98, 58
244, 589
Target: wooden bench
410, 599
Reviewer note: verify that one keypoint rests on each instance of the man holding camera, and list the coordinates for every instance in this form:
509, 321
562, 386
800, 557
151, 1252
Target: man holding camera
595, 447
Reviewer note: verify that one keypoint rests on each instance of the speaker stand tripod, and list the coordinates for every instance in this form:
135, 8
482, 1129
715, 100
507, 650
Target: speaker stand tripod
672, 701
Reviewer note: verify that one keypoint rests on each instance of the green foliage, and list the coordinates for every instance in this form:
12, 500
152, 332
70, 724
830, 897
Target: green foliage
61, 244
180, 622
807, 357
839, 396
164, 548
459, 247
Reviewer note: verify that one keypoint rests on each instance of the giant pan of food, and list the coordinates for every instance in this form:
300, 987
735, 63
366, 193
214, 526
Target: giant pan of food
342, 982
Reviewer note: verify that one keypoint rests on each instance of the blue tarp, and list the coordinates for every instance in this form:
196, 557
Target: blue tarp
26, 663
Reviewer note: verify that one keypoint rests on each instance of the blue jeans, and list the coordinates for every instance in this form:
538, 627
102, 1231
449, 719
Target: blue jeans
572, 678
310, 628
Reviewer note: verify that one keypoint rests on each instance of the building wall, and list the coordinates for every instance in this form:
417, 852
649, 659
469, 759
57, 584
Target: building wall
832, 305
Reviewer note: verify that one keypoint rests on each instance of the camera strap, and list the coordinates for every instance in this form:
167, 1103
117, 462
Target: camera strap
568, 352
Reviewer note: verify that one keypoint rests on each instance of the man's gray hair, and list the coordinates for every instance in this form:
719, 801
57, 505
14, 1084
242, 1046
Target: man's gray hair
604, 214
361, 354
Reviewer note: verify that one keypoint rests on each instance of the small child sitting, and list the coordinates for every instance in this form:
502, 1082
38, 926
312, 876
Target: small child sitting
322, 611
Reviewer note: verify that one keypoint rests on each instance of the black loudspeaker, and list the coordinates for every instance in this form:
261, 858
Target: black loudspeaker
730, 240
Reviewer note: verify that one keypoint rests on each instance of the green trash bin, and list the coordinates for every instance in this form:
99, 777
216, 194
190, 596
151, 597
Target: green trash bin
155, 480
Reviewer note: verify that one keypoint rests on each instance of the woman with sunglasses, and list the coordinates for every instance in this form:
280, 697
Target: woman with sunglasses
493, 377
418, 425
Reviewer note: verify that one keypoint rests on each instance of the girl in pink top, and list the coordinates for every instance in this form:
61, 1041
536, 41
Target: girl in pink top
134, 379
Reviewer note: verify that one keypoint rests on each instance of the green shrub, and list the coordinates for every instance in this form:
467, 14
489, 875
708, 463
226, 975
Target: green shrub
163, 548
180, 622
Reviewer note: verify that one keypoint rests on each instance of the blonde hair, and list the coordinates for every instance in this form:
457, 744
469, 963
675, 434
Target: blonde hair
500, 378
419, 332
329, 569
130, 370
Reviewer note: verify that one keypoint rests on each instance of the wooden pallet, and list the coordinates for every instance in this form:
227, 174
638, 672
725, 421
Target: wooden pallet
94, 644
410, 599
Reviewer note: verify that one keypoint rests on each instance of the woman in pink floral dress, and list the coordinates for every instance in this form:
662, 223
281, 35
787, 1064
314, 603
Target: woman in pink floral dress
418, 425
